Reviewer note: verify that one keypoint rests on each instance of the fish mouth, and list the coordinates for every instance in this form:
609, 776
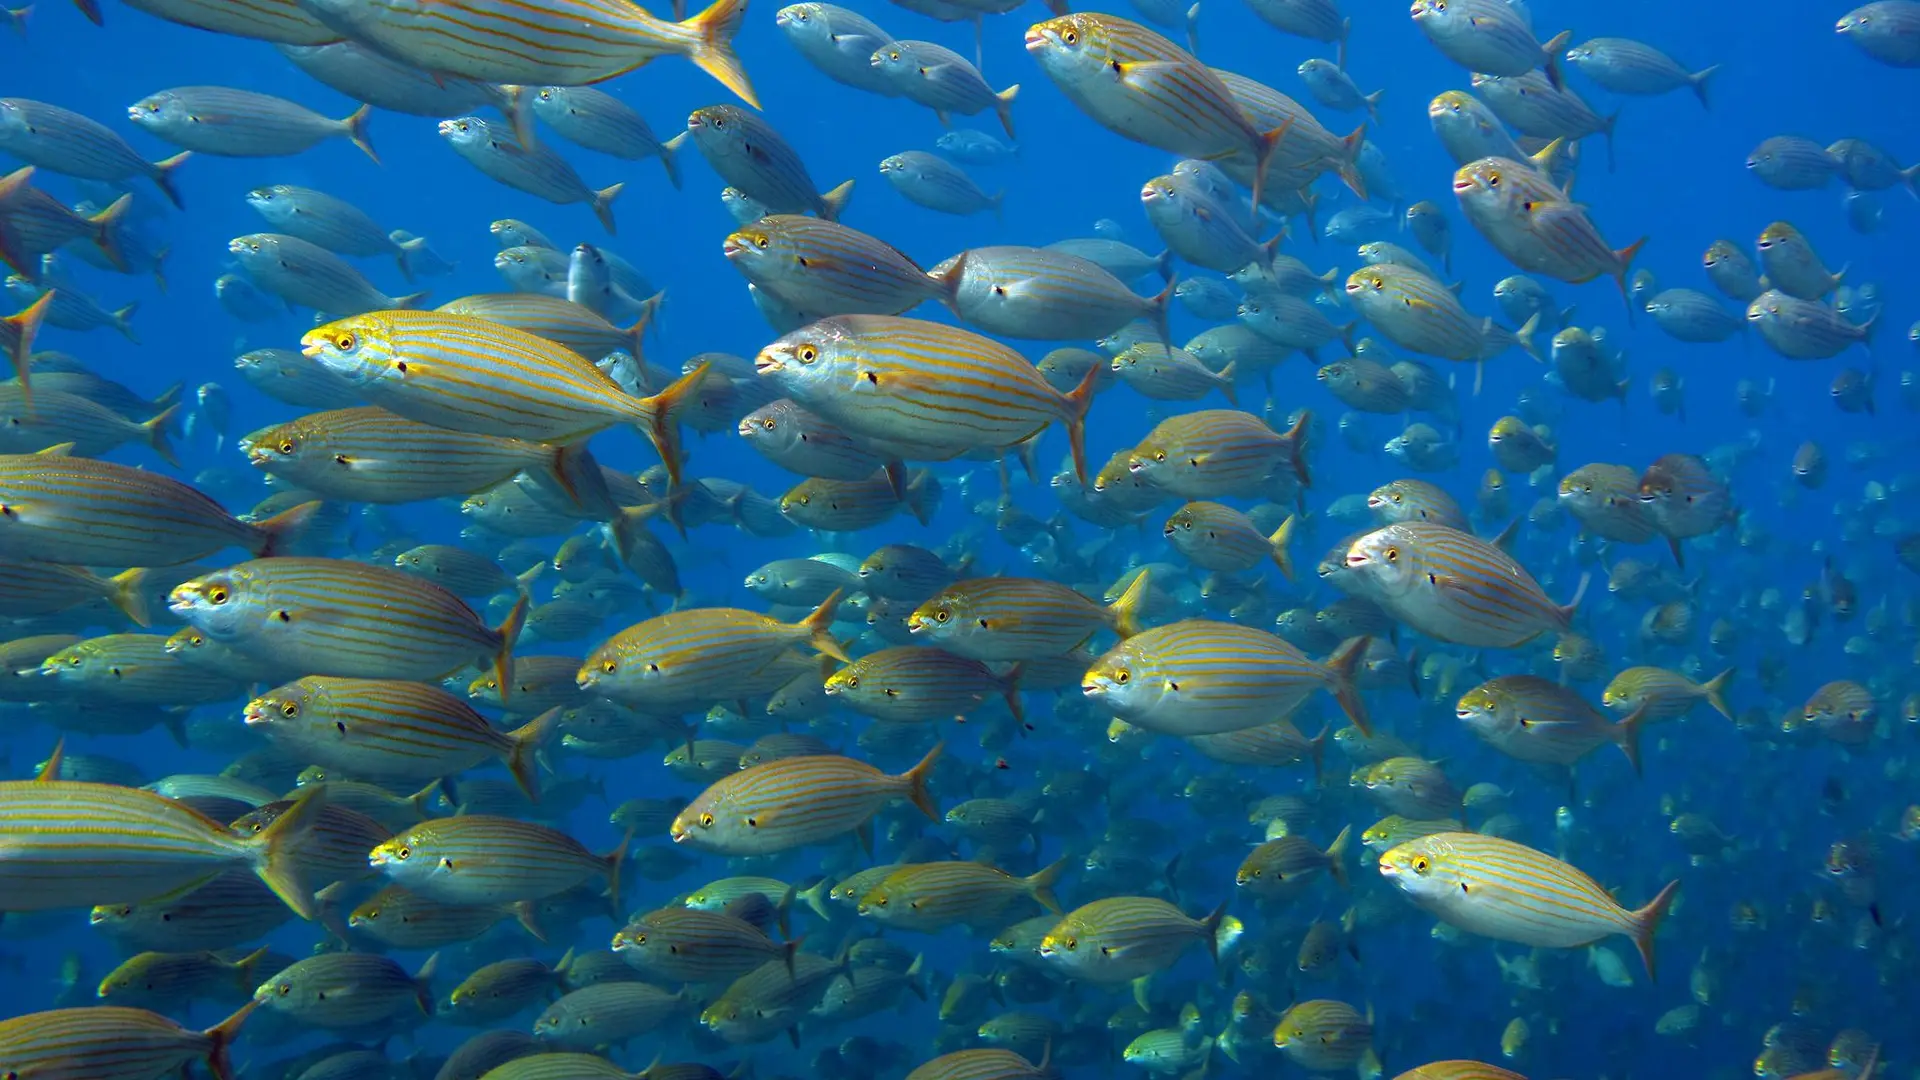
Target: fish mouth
1036, 39
767, 363
731, 247
1357, 558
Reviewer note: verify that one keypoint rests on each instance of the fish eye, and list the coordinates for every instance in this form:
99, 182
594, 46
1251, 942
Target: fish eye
706, 821
1122, 676
1493, 179
608, 666
217, 595
1393, 554
1071, 37
942, 615
806, 354
403, 852
343, 341
1160, 455
1421, 865
289, 709
719, 123
760, 241
767, 424
286, 446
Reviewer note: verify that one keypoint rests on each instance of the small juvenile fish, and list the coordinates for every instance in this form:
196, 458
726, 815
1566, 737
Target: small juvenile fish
599, 121
797, 801
1334, 88
1791, 163
972, 147
942, 80
1791, 264
1625, 66
337, 225
536, 170
1664, 694
1325, 1036
1510, 892
228, 122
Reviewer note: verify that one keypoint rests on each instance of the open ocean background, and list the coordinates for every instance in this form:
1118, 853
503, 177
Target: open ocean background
1680, 179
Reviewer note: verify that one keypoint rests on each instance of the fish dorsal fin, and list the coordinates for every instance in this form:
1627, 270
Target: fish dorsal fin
64, 449
51, 770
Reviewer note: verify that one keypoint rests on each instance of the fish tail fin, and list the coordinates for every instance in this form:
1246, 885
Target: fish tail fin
1698, 80
1003, 107
1551, 53
1296, 437
244, 969
998, 200
1337, 856
423, 983
1579, 593
1125, 611
122, 320
1317, 747
1715, 690
636, 333
1350, 175
1162, 306
603, 206
1523, 337
1210, 929
26, 324
1373, 105
155, 432
509, 631
1341, 666
660, 424
106, 231
815, 897
404, 250
273, 858
560, 467
19, 18
1627, 734
712, 46
819, 627
163, 177
411, 301
916, 779
526, 741
126, 590
1225, 380
1647, 920
1040, 885
220, 1036
670, 159
1280, 543
834, 202
283, 528
1264, 146
616, 862
1010, 690
356, 131
1624, 259
1079, 400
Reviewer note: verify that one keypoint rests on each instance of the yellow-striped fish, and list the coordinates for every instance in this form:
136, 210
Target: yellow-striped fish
1217, 537
533, 43
1324, 1036
369, 455
700, 655
681, 944
1016, 619
925, 390
1664, 694
797, 801
1123, 938
234, 906
399, 919
166, 979
986, 1063
1198, 677
557, 319
482, 859
1455, 586
84, 512
66, 843
912, 684
825, 268
930, 897
111, 1042
1459, 1069
347, 990
1510, 892
1218, 453
459, 372
385, 729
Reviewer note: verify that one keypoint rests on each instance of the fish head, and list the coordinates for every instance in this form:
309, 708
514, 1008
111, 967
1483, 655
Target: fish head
466, 133
802, 360
216, 603
752, 248
158, 111
697, 821
895, 60
361, 350
940, 617
1419, 868
718, 130
1478, 708
78, 663
1070, 48
275, 203
552, 101
1385, 559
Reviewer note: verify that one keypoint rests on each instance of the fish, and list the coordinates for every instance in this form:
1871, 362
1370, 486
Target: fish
699, 654
926, 180
115, 1042
942, 80
599, 121
1016, 619
303, 273
1804, 329
1198, 677
485, 859
839, 42
820, 266
1536, 720
1454, 586
228, 122
750, 155
1415, 312
333, 616
1040, 293
59, 140
534, 169
1121, 938
1488, 36
1626, 66
420, 365
794, 802
558, 43
1510, 892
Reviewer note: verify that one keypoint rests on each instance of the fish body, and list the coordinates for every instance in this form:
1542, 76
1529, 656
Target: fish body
306, 274
839, 42
1122, 938
1039, 293
1625, 66
942, 80
59, 140
1197, 677
113, 1042
1537, 720
1510, 892
1416, 312
537, 170
698, 655
1488, 36
227, 122
1454, 586
1013, 618
750, 155
926, 180
826, 268
477, 859
1804, 329
599, 121
1213, 453
793, 802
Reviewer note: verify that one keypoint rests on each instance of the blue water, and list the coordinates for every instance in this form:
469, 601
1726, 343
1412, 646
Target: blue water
1680, 180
